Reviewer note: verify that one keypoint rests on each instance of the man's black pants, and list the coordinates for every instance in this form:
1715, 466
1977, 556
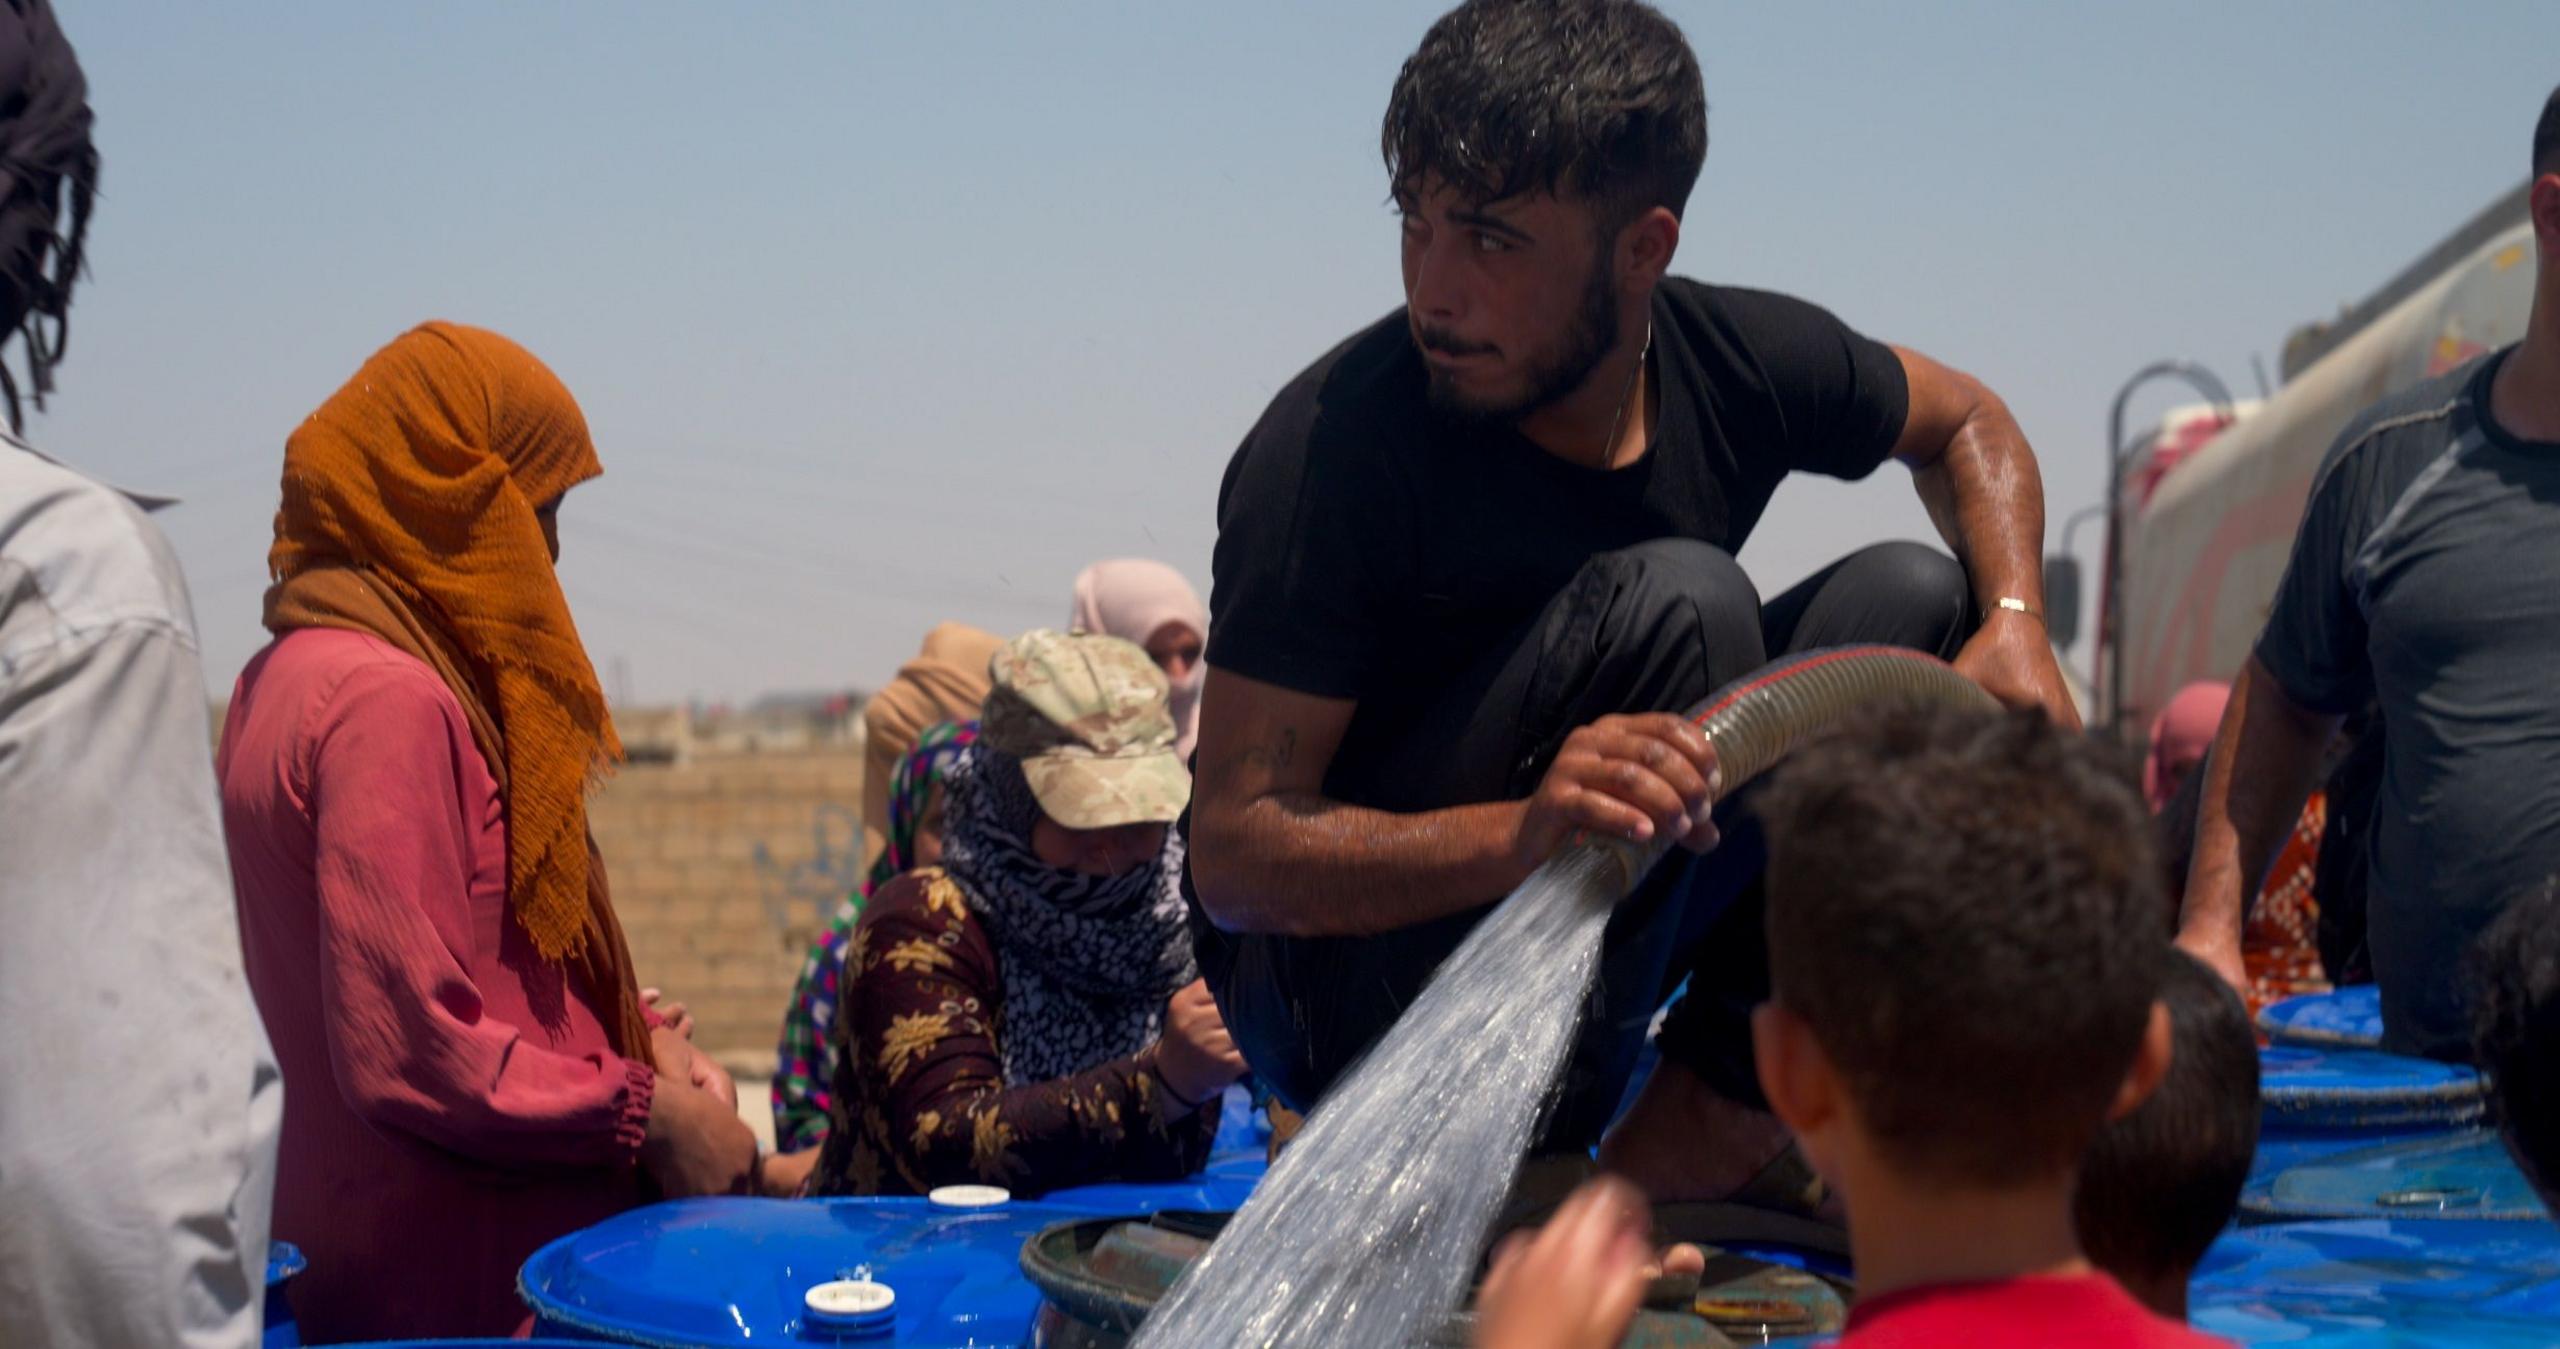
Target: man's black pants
1655, 627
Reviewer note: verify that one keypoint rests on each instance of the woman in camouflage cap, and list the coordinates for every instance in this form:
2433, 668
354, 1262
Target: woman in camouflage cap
1027, 1013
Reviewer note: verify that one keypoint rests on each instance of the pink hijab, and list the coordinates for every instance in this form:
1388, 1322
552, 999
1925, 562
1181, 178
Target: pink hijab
2180, 735
1135, 598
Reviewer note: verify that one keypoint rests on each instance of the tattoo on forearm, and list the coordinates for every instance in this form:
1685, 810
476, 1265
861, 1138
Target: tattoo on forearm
1276, 755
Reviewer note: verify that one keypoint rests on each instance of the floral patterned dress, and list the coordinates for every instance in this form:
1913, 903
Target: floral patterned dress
806, 1064
2279, 944
920, 1098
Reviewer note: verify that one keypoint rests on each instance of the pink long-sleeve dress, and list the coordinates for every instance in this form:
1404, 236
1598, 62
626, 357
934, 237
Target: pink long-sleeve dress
451, 1101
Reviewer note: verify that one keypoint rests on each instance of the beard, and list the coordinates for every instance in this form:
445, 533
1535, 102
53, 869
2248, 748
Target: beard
1551, 374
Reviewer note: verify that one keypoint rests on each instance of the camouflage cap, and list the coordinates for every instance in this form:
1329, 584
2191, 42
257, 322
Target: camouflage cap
1087, 716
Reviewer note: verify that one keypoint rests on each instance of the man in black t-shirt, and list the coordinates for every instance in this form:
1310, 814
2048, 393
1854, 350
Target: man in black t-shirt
1471, 562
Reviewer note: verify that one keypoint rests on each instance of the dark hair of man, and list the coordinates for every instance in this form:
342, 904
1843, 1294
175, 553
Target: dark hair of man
2546, 137
1597, 98
1964, 907
2158, 1185
51, 178
2515, 1030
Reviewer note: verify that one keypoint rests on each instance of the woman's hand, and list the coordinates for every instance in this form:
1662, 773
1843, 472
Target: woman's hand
696, 1144
674, 1016
786, 1174
678, 1058
1195, 1056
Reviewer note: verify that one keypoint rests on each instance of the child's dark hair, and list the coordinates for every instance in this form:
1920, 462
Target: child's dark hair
2515, 1030
2159, 1185
1964, 906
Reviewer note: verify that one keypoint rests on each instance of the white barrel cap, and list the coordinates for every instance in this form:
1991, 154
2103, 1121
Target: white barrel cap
970, 1196
850, 1303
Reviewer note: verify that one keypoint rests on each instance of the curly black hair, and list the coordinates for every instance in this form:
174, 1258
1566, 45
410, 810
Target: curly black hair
51, 181
1600, 98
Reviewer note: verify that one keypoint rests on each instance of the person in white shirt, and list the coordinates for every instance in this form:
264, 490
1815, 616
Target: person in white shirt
139, 1102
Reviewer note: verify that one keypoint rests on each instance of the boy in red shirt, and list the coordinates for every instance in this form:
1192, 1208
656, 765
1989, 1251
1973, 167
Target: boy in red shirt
1966, 959
1966, 989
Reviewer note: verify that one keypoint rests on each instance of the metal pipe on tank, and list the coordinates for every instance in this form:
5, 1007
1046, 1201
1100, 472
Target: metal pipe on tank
2110, 697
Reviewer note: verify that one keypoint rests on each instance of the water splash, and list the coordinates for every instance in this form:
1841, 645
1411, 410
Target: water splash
1368, 1228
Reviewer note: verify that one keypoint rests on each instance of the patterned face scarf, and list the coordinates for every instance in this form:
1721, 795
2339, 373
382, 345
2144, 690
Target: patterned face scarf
1088, 961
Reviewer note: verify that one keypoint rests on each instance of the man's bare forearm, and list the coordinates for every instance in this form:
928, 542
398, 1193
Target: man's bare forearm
1271, 853
1986, 496
1299, 864
2265, 760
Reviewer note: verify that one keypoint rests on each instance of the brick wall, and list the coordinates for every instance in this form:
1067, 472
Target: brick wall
724, 868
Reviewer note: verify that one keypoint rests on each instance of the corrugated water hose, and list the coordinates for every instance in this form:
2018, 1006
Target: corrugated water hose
1754, 721
1367, 1228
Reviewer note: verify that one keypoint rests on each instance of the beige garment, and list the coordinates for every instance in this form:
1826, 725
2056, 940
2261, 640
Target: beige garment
945, 682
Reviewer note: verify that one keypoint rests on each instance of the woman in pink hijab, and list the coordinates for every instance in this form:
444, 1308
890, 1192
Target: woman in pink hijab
1149, 603
2180, 735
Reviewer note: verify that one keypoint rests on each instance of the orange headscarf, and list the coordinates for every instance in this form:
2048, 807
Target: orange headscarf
409, 513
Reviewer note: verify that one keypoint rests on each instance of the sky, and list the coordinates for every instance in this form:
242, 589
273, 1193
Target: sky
886, 314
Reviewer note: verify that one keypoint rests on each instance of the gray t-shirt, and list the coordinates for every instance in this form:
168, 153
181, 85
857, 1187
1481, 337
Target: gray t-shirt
2426, 580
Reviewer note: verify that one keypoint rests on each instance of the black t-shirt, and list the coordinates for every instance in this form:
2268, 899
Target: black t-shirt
1369, 546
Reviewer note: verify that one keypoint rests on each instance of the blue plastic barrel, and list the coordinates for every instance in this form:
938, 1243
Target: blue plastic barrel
2317, 1102
1220, 1188
2363, 1089
284, 1260
2464, 1175
1241, 1123
2383, 1281
2281, 1150
2349, 1018
699, 1273
1242, 1153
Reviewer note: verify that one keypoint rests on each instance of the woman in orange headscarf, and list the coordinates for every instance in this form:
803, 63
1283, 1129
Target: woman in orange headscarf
469, 1069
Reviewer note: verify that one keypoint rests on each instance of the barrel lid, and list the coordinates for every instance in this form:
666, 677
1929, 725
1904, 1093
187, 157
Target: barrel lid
2281, 1149
2346, 1018
858, 1304
2465, 1175
2425, 1282
710, 1272
284, 1260
2363, 1088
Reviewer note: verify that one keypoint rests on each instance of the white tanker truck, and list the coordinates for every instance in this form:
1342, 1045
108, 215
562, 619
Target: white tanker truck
2204, 509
